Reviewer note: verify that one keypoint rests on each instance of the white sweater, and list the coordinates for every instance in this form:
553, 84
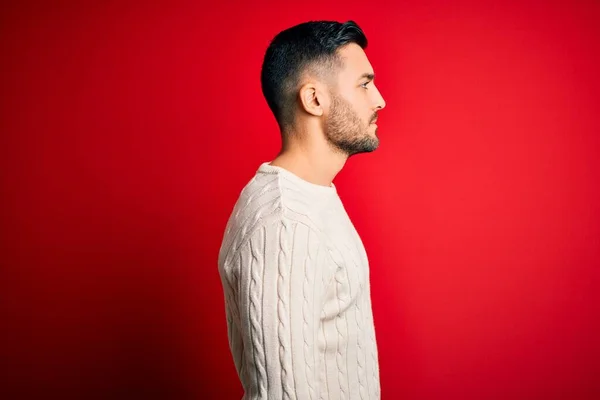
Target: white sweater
296, 282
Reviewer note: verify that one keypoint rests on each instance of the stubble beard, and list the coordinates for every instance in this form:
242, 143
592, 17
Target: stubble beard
346, 132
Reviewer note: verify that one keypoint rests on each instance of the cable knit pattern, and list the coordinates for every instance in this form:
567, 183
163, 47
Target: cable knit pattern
283, 329
296, 283
255, 317
360, 360
307, 292
340, 356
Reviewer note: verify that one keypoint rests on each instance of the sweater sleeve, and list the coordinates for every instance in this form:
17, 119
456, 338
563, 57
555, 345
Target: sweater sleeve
277, 294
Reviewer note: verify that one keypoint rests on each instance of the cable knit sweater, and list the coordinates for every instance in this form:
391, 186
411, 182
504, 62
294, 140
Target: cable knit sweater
297, 297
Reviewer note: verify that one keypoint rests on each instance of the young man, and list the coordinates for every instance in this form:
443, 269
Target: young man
294, 270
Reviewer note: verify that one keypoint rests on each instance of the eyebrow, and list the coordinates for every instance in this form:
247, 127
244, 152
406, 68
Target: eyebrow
367, 75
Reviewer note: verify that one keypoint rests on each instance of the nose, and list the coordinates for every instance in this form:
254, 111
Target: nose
379, 101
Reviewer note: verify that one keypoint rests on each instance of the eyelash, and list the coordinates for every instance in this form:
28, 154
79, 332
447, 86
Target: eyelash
364, 85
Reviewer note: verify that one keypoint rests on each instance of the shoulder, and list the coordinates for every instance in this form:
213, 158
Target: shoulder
271, 201
277, 227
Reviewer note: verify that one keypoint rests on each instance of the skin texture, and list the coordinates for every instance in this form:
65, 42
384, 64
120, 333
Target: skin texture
334, 119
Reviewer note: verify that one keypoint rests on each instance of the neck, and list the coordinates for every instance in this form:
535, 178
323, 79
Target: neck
315, 163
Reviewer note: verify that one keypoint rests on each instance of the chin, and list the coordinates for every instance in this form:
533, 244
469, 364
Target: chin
371, 147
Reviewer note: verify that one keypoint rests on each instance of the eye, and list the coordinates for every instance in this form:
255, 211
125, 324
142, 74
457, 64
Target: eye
364, 85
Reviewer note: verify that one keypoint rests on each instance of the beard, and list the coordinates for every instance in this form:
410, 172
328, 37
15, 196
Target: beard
346, 132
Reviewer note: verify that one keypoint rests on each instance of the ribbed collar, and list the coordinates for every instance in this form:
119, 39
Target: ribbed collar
267, 168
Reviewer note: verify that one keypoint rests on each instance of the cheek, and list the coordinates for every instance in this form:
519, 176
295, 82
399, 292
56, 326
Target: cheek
361, 103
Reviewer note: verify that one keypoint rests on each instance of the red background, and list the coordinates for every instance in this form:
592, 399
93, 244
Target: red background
128, 131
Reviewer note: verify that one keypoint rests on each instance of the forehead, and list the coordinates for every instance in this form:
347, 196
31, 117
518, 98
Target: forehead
354, 61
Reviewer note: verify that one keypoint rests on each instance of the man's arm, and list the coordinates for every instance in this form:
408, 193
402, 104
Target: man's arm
280, 295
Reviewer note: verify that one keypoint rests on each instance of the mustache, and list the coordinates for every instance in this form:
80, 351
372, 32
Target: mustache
374, 118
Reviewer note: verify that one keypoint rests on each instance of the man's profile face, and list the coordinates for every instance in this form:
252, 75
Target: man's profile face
350, 123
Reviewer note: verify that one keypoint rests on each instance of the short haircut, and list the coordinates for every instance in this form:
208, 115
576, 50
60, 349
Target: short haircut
307, 46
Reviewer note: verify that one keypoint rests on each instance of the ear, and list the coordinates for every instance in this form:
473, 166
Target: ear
312, 99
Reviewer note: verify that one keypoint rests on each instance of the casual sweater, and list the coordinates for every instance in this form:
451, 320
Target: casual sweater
295, 277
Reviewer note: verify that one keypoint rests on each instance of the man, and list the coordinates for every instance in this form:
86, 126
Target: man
294, 270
